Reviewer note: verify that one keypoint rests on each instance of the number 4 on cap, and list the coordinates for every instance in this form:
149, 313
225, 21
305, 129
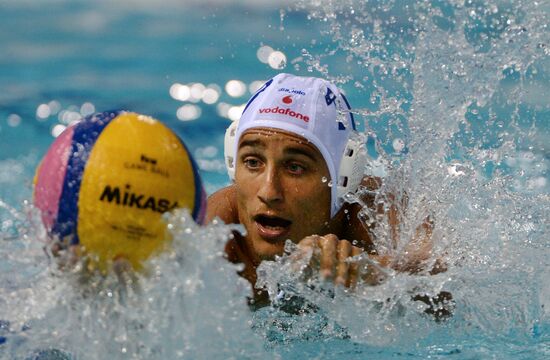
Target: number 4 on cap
330, 97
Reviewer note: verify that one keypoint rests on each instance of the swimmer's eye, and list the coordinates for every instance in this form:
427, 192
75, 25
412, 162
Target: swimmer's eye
252, 163
295, 168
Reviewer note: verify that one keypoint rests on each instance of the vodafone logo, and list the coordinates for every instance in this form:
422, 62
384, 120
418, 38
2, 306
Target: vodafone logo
287, 100
288, 112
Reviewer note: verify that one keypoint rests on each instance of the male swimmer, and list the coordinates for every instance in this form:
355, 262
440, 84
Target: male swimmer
293, 155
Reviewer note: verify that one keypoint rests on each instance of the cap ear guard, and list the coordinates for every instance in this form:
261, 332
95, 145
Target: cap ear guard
352, 167
230, 149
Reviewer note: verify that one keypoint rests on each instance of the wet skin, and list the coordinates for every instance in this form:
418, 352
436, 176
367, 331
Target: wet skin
282, 190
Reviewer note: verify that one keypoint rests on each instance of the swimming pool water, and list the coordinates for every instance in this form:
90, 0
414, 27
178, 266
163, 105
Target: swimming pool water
452, 94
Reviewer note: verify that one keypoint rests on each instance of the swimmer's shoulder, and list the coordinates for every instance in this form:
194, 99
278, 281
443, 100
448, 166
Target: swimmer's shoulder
223, 204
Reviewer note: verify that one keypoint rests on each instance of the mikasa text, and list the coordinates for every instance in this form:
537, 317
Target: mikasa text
130, 199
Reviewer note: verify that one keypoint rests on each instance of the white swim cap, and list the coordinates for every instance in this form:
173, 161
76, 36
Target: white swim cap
314, 109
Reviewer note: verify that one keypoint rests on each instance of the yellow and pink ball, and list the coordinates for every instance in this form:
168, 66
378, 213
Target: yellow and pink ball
105, 182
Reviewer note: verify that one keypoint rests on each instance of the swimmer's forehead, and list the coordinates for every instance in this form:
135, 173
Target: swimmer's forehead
260, 136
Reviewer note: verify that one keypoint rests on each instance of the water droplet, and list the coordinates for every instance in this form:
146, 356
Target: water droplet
398, 145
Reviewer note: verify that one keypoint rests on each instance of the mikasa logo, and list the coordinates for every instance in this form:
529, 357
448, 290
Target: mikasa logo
130, 199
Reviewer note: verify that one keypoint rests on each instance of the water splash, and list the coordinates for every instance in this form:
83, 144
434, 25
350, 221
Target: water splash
190, 303
452, 80
464, 85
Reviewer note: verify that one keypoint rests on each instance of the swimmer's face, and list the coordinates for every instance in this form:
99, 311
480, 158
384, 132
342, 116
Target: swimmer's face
282, 189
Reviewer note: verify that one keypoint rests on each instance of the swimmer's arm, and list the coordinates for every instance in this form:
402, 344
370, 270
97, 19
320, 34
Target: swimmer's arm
354, 226
223, 204
417, 251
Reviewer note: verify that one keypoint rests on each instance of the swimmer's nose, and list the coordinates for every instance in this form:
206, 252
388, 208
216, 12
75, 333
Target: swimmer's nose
270, 191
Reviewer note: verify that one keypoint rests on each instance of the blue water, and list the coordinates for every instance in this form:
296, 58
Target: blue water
453, 96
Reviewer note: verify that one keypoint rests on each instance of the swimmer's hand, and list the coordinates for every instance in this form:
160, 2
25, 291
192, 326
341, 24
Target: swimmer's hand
66, 256
336, 261
418, 254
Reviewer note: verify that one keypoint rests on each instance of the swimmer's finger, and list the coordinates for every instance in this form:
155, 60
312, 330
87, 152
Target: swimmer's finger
376, 269
56, 249
308, 247
354, 268
328, 245
123, 270
121, 265
342, 268
309, 242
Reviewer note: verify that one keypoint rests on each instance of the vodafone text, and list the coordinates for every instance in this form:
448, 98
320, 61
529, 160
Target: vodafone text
278, 110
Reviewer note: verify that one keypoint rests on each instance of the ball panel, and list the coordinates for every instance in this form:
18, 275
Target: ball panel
131, 187
50, 175
199, 210
85, 135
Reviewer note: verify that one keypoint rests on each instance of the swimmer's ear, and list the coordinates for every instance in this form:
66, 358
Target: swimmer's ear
352, 166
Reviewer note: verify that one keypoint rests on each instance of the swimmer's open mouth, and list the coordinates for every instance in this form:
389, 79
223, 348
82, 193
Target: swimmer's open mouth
272, 221
272, 228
